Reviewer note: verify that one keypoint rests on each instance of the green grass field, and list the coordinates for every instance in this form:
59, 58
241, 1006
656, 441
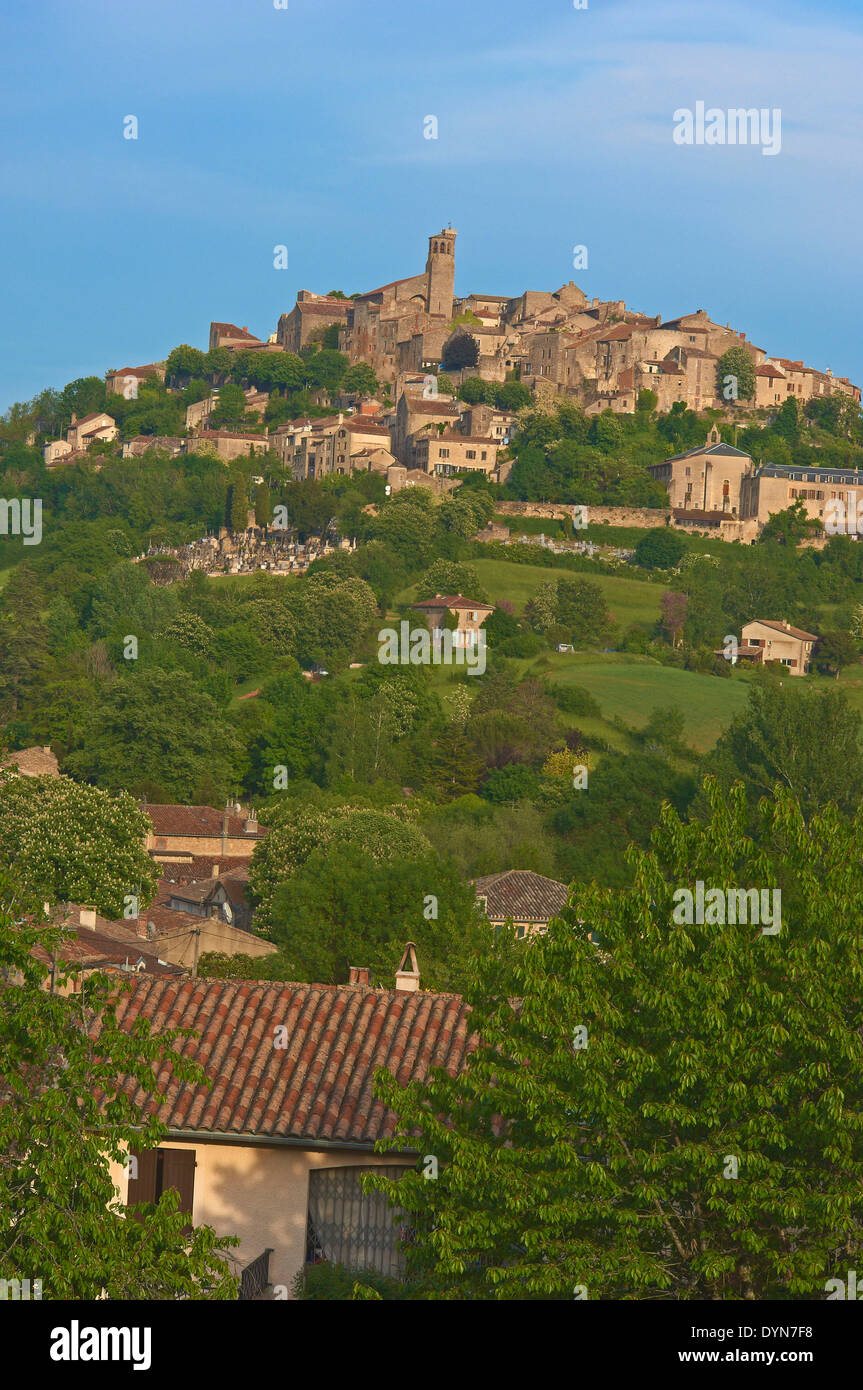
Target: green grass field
630, 600
629, 687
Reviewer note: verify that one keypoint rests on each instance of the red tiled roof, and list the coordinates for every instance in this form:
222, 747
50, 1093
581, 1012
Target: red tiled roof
231, 330
785, 630
198, 866
307, 306
456, 601
229, 434
197, 820
94, 415
319, 1087
148, 370
390, 285
438, 407
522, 895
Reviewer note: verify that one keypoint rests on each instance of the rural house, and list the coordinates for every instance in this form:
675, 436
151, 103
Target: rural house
527, 899
275, 1151
779, 642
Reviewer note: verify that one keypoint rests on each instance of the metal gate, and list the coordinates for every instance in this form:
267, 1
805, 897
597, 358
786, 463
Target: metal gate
349, 1226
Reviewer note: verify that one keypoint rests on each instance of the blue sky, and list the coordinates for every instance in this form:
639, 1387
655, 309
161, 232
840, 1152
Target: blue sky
304, 127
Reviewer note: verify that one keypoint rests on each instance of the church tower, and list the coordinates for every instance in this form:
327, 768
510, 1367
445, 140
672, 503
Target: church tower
440, 273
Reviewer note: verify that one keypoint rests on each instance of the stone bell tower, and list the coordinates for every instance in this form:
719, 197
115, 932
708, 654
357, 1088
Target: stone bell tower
440, 273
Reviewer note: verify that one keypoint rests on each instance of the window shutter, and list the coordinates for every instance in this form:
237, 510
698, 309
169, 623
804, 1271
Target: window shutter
143, 1187
178, 1171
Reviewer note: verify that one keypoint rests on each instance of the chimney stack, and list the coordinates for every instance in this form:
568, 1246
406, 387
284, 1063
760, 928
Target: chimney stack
250, 825
408, 977
359, 975
87, 917
141, 928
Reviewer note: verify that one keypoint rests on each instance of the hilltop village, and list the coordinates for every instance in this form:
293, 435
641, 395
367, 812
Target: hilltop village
368, 675
425, 388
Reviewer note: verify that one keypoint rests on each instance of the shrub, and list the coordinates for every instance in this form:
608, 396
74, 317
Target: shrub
337, 1283
574, 699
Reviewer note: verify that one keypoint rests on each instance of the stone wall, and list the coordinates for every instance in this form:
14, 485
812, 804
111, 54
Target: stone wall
644, 517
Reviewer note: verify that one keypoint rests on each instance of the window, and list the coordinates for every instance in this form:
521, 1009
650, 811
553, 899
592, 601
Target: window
470, 453
157, 1170
349, 1226
443, 453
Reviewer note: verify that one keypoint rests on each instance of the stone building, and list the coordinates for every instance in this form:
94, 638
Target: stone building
387, 327
772, 488
708, 478
452, 452
311, 314
526, 899
790, 646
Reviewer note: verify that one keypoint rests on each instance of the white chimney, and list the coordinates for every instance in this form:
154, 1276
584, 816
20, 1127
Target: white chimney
87, 917
408, 979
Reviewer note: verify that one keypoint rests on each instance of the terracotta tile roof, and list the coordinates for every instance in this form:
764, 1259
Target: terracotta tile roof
438, 407
390, 285
229, 434
454, 601
785, 629
33, 762
319, 1087
108, 944
362, 427
145, 371
522, 895
697, 514
93, 951
195, 867
198, 820
620, 331
94, 415
769, 369
307, 306
232, 331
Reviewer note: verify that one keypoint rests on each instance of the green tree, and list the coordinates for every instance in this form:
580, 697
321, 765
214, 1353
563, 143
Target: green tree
460, 350
790, 526
238, 504
660, 549
512, 395
231, 407
625, 1059
805, 740
345, 908
326, 369
263, 505
73, 843
647, 401
360, 380
83, 396
735, 375
154, 733
184, 362
473, 389
66, 1113
581, 608
789, 420
833, 651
